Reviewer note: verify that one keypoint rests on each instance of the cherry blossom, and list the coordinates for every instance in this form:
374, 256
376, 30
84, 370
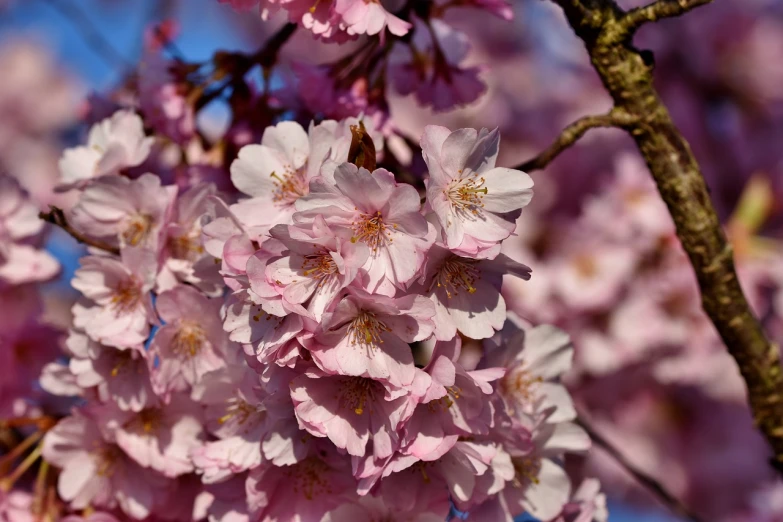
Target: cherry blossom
350, 411
383, 214
161, 437
367, 335
191, 343
429, 67
130, 212
471, 198
320, 261
370, 18
120, 310
466, 292
113, 144
97, 472
301, 492
277, 172
20, 259
118, 375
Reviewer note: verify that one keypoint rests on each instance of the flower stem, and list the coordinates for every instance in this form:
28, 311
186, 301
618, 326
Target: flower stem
8, 482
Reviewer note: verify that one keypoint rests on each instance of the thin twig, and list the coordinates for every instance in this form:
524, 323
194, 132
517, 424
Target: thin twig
568, 137
639, 16
56, 216
92, 36
645, 480
237, 65
627, 75
169, 45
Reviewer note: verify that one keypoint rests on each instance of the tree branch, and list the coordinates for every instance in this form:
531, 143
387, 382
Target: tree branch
648, 482
571, 135
56, 216
635, 18
627, 75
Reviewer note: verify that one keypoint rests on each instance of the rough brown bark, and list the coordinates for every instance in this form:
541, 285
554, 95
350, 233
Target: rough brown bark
626, 73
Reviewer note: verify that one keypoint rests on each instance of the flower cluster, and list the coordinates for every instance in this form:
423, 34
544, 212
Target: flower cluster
424, 56
300, 349
285, 320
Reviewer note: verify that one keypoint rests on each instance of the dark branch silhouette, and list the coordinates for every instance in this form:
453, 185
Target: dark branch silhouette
56, 216
651, 484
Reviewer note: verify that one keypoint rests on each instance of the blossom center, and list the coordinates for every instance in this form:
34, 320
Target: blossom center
189, 339
526, 471
457, 274
147, 421
106, 460
185, 246
122, 360
585, 266
238, 410
289, 186
371, 230
521, 384
319, 265
447, 401
466, 194
126, 296
137, 229
367, 330
358, 392
309, 478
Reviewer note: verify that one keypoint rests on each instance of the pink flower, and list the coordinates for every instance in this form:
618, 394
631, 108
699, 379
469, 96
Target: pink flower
278, 171
185, 258
431, 69
96, 472
318, 263
319, 18
20, 260
121, 310
383, 214
536, 358
160, 437
466, 292
302, 492
587, 504
367, 336
191, 343
132, 212
456, 404
363, 17
237, 416
471, 198
408, 481
112, 145
351, 411
540, 486
118, 375
16, 506
270, 339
